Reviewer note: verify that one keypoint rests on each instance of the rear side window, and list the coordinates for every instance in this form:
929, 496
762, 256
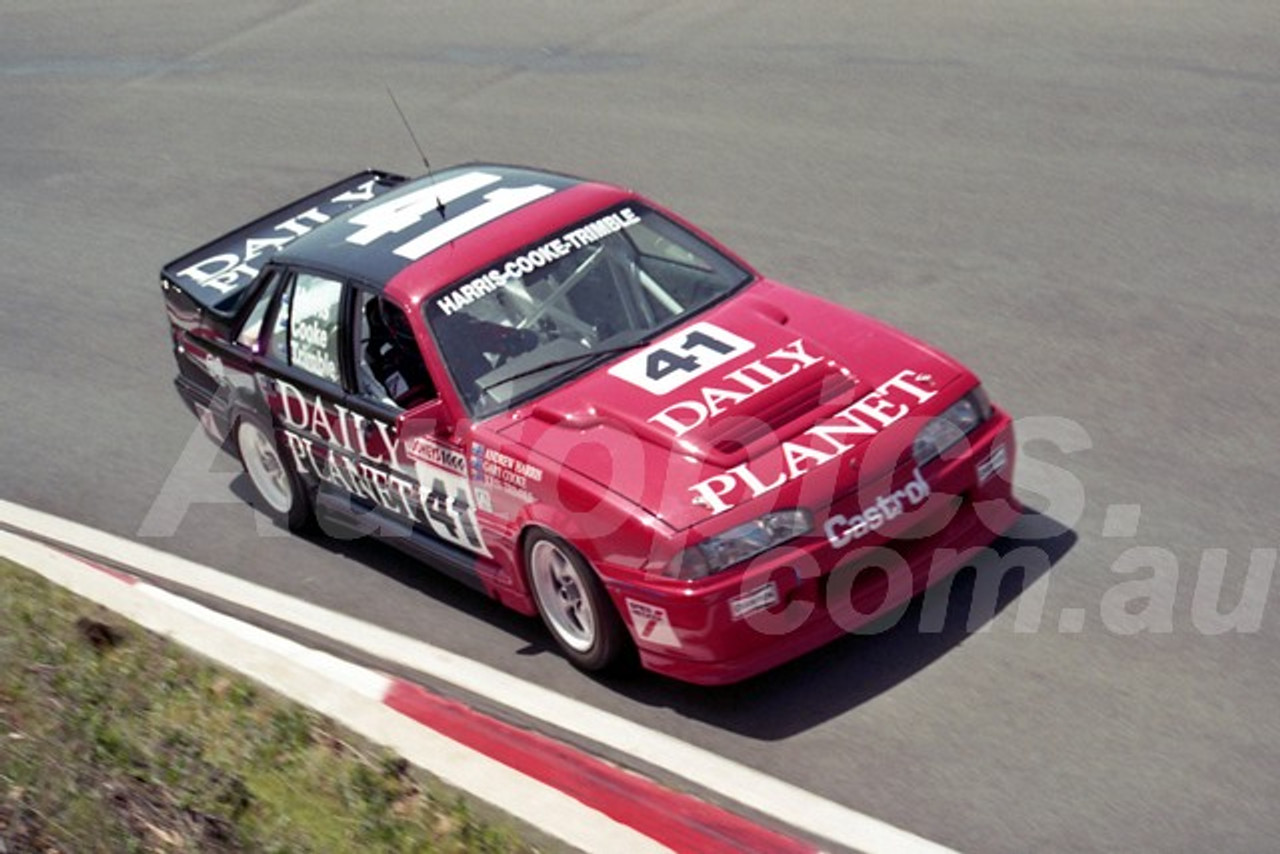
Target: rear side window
306, 328
251, 330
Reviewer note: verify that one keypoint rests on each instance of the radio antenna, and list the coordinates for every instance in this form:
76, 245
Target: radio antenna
421, 153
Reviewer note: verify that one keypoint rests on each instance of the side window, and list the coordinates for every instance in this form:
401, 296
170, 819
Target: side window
306, 328
278, 344
389, 366
251, 331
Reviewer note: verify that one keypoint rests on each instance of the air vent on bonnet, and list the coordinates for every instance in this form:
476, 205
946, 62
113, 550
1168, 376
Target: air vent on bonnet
806, 402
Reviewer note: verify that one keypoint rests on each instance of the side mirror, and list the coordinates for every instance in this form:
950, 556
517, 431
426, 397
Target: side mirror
431, 420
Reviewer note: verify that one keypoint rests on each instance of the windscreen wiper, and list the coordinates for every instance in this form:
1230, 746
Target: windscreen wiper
576, 357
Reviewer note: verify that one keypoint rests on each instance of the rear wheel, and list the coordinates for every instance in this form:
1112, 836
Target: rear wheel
281, 493
574, 605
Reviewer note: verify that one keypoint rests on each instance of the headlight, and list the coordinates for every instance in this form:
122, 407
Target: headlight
744, 542
951, 426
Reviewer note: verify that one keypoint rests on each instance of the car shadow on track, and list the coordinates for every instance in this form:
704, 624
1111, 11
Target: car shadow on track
796, 696
413, 575
860, 666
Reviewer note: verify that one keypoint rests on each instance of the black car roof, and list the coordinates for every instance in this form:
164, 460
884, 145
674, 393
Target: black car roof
335, 247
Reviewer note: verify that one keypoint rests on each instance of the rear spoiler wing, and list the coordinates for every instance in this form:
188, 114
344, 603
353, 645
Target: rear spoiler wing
216, 275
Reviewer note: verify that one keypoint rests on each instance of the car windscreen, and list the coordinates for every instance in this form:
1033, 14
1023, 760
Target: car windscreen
532, 320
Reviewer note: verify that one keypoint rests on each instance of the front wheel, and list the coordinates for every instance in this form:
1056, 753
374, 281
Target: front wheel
573, 604
281, 494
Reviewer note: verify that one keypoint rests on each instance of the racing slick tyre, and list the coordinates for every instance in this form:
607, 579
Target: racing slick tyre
280, 492
574, 606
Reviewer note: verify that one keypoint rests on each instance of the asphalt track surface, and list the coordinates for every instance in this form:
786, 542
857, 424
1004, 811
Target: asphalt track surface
1079, 199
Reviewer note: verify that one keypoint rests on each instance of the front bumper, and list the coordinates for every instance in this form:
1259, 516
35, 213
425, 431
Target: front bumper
800, 596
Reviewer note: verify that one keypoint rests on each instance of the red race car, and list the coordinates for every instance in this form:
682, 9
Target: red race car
571, 399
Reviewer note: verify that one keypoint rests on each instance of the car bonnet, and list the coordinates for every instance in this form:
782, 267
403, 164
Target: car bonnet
752, 403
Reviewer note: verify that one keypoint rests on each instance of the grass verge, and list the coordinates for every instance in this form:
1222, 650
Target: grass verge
113, 739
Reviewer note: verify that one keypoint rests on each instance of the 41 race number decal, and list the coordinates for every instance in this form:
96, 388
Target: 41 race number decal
450, 507
665, 366
409, 210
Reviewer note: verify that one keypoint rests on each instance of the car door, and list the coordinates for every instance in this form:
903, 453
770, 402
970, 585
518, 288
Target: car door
338, 385
300, 373
415, 442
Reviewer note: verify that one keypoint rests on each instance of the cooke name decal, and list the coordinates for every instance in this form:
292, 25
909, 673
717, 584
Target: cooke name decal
535, 259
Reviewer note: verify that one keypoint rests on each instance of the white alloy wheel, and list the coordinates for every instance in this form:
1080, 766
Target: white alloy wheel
562, 591
265, 468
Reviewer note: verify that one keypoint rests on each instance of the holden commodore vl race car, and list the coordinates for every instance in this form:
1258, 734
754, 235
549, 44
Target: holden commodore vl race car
571, 399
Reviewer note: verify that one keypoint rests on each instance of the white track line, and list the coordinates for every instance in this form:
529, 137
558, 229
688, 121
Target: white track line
767, 795
346, 692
